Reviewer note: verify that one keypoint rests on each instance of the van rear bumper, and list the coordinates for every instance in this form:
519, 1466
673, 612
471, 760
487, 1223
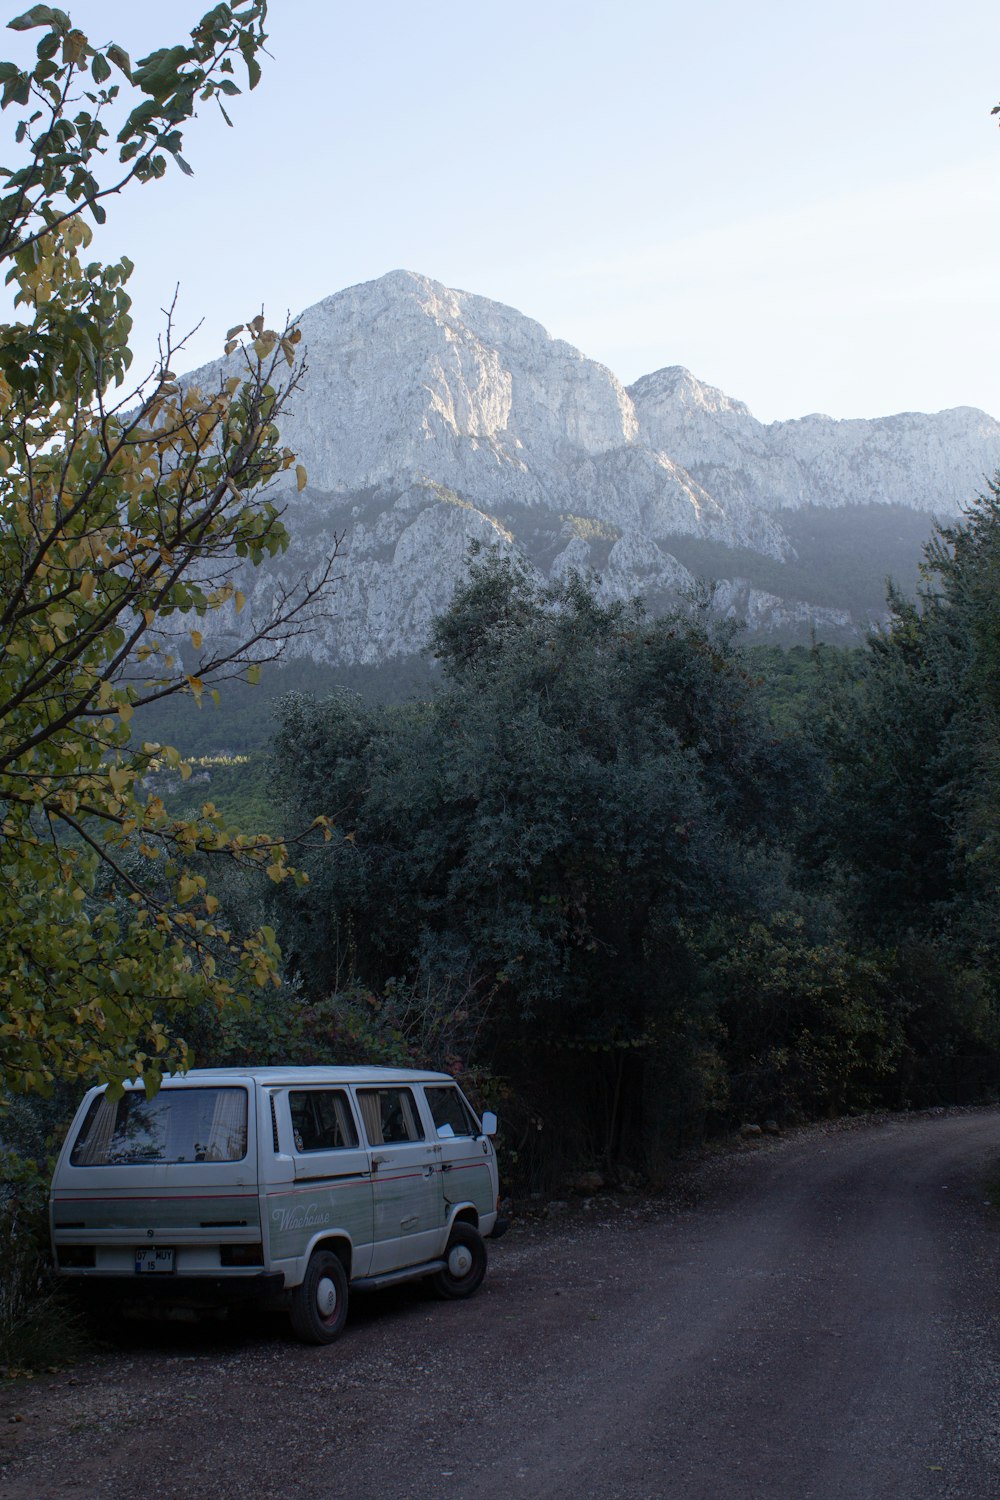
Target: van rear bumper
187, 1291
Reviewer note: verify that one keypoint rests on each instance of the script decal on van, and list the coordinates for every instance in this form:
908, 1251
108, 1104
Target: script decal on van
301, 1216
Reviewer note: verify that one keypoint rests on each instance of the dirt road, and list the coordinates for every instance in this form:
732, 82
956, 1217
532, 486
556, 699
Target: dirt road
819, 1321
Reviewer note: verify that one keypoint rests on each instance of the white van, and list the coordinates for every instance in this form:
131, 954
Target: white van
285, 1185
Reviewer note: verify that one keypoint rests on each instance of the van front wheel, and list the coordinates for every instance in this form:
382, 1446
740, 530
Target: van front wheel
465, 1264
319, 1306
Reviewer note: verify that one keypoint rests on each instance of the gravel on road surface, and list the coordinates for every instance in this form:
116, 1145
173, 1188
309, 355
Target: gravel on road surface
811, 1318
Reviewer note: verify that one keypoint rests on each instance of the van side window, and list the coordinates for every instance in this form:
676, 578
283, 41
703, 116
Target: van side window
449, 1108
321, 1120
390, 1115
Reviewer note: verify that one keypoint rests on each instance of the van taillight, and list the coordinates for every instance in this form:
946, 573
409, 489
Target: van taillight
74, 1257
241, 1255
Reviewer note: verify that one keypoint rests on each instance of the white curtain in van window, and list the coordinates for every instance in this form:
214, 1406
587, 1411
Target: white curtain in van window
371, 1113
227, 1135
347, 1135
413, 1130
95, 1152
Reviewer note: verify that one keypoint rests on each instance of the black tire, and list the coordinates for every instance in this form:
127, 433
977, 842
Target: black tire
466, 1257
319, 1306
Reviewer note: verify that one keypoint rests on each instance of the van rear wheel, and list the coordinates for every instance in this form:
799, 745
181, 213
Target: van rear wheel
319, 1306
465, 1264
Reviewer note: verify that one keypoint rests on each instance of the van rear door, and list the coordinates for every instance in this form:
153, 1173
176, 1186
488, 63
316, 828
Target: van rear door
161, 1186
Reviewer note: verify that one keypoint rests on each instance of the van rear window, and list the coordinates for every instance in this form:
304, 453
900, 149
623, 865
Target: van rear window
177, 1125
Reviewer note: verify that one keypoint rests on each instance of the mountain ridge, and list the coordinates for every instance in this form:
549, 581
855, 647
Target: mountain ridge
430, 417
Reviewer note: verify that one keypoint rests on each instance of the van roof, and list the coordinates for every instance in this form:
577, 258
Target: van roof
291, 1075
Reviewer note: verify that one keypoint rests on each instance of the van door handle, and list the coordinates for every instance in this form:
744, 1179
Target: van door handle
446, 1166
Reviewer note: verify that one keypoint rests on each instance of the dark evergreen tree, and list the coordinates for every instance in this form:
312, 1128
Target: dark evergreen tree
911, 831
559, 826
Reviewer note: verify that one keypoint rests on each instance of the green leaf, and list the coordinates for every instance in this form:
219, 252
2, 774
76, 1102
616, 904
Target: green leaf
39, 15
159, 73
121, 60
16, 90
222, 15
248, 47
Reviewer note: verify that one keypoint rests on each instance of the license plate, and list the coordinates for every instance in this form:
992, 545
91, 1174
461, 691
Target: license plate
154, 1258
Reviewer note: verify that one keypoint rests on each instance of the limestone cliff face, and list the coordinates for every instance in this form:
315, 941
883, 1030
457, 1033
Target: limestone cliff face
429, 417
931, 463
411, 383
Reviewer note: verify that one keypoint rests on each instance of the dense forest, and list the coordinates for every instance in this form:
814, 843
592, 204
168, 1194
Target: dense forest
637, 884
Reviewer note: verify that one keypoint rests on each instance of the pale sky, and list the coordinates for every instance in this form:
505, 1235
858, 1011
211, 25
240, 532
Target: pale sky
801, 204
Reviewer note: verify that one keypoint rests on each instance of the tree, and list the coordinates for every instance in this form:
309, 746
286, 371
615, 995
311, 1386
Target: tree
123, 515
915, 808
587, 791
805, 1027
911, 828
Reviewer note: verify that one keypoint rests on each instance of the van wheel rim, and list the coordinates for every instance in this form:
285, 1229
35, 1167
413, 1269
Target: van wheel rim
326, 1298
460, 1260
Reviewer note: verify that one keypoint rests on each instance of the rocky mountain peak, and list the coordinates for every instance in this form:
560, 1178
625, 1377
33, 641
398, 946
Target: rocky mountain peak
677, 386
430, 416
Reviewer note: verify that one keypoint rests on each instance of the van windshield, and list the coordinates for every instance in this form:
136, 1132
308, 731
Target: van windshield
178, 1125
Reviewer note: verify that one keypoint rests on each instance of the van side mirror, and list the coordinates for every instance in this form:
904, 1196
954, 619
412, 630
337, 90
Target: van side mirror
489, 1123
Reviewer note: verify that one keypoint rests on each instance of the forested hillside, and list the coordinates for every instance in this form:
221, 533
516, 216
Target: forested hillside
636, 884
